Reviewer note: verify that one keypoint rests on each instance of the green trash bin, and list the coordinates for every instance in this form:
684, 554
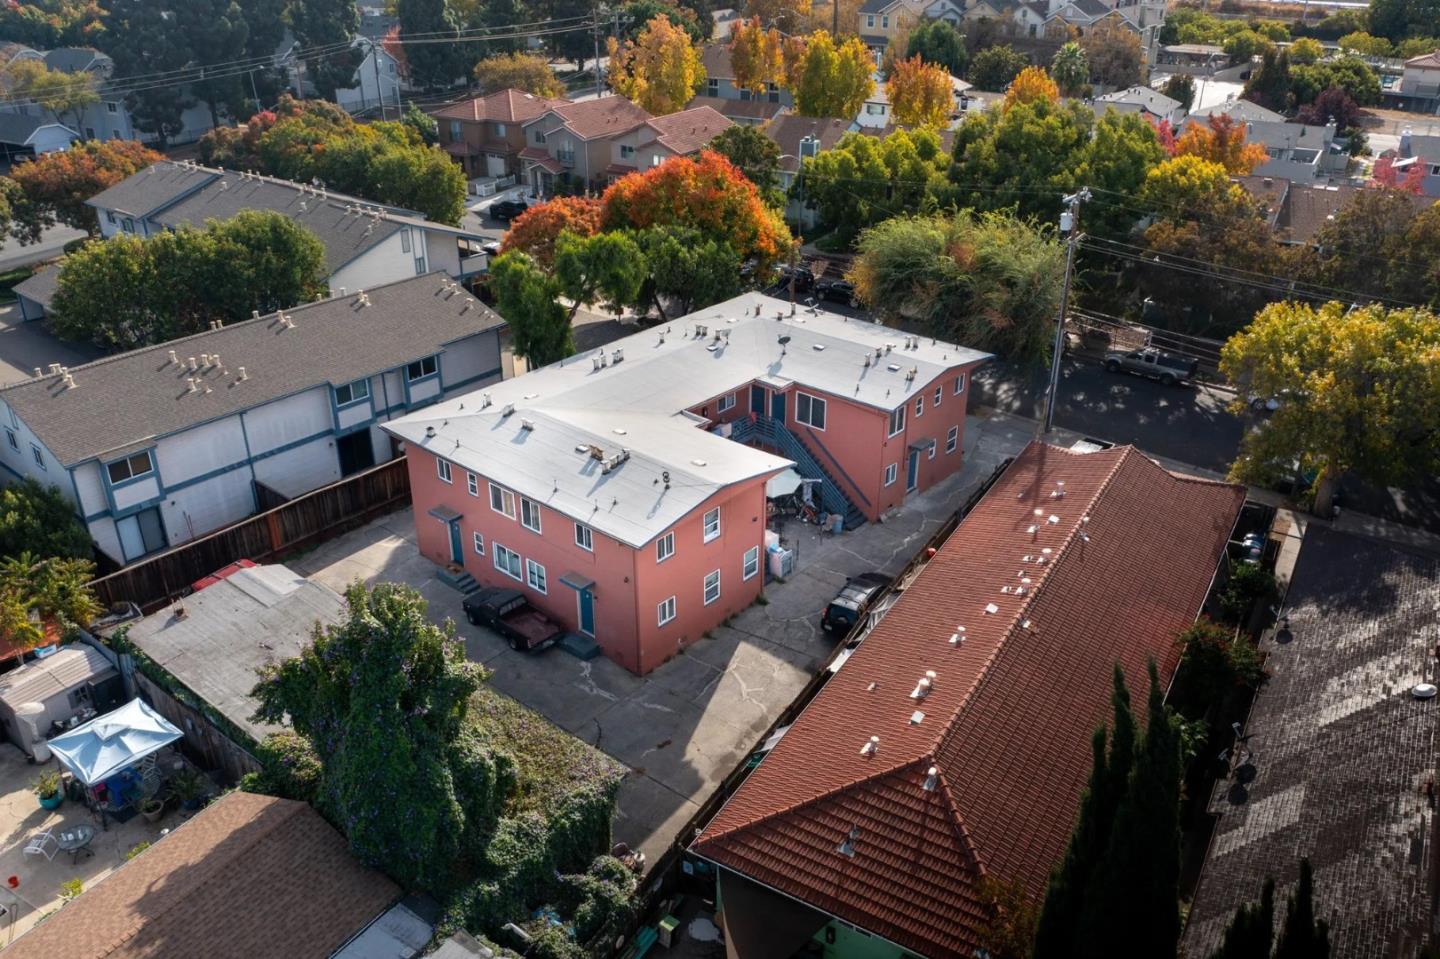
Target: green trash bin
667, 928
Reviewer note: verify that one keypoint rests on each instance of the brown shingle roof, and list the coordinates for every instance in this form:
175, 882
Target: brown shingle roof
604, 117
1308, 208
716, 59
503, 106
738, 109
689, 130
249, 876
787, 130
1008, 721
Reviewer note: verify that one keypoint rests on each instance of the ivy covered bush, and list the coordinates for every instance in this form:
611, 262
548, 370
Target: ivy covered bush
291, 768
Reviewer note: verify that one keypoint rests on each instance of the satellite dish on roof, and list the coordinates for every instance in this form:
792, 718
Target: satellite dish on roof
1424, 691
783, 340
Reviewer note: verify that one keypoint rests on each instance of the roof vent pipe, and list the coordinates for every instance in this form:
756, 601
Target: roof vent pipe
870, 747
243, 376
69, 381
173, 358
39, 371
932, 779
192, 364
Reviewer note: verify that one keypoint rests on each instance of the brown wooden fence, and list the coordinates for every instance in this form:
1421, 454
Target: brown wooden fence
304, 521
204, 743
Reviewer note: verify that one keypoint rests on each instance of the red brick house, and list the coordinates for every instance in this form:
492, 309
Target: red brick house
981, 687
624, 490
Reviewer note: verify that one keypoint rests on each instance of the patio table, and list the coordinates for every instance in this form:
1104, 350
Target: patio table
75, 840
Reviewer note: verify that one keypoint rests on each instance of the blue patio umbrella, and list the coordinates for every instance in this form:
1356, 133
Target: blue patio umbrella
107, 744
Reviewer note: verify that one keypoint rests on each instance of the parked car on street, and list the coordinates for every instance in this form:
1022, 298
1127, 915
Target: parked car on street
509, 613
1168, 368
837, 291
507, 209
852, 602
804, 279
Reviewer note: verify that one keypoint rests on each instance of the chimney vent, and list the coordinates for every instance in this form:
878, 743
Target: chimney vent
870, 747
243, 375
932, 779
193, 365
173, 358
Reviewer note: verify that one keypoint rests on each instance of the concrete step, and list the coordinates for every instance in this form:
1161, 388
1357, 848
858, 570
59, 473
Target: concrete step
581, 647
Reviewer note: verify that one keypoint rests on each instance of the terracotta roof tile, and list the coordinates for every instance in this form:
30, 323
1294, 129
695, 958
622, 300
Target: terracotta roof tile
1008, 721
248, 876
689, 130
503, 106
604, 117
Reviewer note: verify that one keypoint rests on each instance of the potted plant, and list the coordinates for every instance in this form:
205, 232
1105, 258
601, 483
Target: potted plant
47, 789
152, 809
188, 787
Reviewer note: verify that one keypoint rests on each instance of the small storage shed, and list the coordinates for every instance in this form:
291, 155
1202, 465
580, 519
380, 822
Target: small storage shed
73, 679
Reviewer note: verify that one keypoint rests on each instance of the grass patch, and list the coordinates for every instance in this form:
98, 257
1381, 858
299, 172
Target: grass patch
835, 241
551, 764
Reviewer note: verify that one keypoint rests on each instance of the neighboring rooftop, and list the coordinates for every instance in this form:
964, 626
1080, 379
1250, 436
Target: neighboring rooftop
1021, 630
39, 679
248, 876
690, 129
153, 188
604, 117
252, 618
789, 129
18, 128
1144, 98
1242, 110
405, 320
1308, 208
75, 59
1269, 191
637, 404
1340, 756
503, 106
716, 58
1426, 61
41, 287
752, 109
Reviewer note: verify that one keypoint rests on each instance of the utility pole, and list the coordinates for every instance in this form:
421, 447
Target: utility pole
375, 49
597, 51
1070, 226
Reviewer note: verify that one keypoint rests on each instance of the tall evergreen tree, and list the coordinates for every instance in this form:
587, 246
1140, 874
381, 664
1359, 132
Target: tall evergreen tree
143, 41
436, 63
1251, 931
1136, 886
320, 23
1303, 936
1059, 920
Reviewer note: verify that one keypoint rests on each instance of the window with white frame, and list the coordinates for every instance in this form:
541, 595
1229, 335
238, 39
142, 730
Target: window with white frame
38, 457
939, 395
139, 464
885, 23
472, 483
665, 547
442, 470
891, 472
502, 500
627, 152
584, 537
919, 405
499, 129
507, 561
10, 438
810, 410
959, 385
479, 544
404, 239
111, 106
952, 439
352, 392
665, 611
529, 514
930, 453
712, 524
727, 402
875, 109
535, 576
870, 20
421, 369
712, 587
897, 420
751, 565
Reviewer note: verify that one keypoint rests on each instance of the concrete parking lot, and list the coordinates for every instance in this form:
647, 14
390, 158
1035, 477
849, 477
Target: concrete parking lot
686, 725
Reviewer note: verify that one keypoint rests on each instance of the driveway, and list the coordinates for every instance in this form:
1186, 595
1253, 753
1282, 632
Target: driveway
24, 346
686, 725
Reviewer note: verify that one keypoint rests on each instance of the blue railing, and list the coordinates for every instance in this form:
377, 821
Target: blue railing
771, 432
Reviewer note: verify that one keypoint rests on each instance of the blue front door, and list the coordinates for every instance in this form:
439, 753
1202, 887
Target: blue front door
457, 554
777, 406
912, 472
757, 399
587, 612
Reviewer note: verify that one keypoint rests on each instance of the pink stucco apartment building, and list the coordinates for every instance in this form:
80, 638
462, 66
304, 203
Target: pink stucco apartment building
624, 490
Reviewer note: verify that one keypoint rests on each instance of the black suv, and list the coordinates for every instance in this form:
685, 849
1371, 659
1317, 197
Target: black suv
854, 599
507, 209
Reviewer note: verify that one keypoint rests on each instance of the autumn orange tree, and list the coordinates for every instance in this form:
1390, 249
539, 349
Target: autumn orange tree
756, 55
707, 193
536, 230
660, 69
56, 185
920, 93
1031, 86
1221, 141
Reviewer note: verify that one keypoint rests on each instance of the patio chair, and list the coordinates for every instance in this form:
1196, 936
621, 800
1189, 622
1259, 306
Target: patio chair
43, 844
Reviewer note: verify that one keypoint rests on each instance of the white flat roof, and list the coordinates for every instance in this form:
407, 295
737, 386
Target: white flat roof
636, 405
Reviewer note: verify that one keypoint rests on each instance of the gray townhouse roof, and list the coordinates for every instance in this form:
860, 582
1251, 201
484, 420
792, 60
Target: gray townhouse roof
1242, 110
1147, 99
73, 59
18, 128
153, 188
41, 287
638, 404
716, 58
124, 402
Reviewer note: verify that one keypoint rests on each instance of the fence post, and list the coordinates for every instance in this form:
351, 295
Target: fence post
272, 523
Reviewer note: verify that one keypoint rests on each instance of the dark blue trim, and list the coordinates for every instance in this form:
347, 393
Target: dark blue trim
336, 407
20, 476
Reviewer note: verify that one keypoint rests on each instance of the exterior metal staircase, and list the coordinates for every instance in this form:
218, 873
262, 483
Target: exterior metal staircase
769, 431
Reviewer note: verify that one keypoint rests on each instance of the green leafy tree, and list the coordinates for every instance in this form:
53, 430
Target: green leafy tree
422, 123
1136, 884
989, 280
143, 41
1399, 19
833, 77
528, 298
213, 31
660, 69
1114, 53
64, 95
433, 65
521, 71
1027, 156
636, 13
1305, 51
1379, 245
1351, 74
755, 155
687, 268
1070, 69
862, 180
39, 518
326, 23
1362, 388
607, 269
1269, 84
1122, 153
1303, 936
1246, 45
938, 42
134, 292
54, 590
994, 67
1180, 87
1252, 930
382, 697
1365, 45
47, 24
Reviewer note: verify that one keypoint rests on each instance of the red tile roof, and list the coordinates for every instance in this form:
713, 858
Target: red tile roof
503, 106
604, 117
1126, 566
538, 155
248, 876
687, 131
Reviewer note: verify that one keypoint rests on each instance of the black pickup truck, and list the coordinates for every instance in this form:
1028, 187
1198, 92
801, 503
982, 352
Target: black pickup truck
510, 614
